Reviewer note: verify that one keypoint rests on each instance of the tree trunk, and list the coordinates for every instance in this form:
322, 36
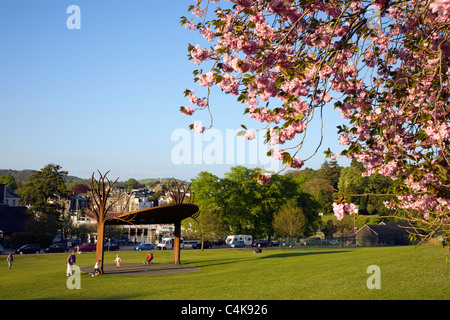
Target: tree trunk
176, 242
100, 245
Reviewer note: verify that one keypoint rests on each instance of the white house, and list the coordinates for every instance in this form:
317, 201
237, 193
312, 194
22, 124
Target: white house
8, 197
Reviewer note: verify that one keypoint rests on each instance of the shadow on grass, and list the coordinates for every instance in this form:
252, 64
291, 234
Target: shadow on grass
99, 300
261, 256
301, 253
140, 269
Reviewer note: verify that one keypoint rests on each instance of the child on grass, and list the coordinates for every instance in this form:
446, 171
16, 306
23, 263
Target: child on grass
117, 261
97, 268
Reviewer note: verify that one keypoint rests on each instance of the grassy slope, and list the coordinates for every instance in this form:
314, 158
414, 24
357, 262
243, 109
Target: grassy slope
406, 273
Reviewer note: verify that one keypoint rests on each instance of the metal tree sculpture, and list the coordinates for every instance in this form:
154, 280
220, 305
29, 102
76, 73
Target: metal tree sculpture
178, 196
99, 209
179, 192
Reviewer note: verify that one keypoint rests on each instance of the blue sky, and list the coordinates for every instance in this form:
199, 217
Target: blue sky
107, 96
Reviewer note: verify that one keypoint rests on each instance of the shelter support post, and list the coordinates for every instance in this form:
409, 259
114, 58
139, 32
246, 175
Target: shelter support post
176, 242
100, 244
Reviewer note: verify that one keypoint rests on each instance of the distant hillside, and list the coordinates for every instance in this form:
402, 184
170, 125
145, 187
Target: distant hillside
23, 175
18, 175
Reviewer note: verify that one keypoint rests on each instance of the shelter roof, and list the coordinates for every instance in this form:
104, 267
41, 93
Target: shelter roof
156, 215
391, 228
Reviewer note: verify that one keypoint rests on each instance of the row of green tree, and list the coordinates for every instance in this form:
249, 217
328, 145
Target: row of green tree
332, 181
234, 204
46, 193
238, 204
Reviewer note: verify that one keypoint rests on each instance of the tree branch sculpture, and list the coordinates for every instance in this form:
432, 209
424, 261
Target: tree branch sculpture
99, 209
179, 192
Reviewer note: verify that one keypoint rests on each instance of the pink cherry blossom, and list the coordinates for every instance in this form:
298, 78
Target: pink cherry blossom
277, 153
338, 210
199, 55
199, 128
441, 7
207, 80
249, 135
264, 178
296, 163
188, 111
229, 84
341, 209
208, 34
193, 98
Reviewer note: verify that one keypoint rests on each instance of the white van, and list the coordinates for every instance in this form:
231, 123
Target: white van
167, 243
246, 238
190, 242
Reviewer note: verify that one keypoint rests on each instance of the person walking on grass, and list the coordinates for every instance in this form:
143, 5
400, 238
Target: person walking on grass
70, 262
10, 260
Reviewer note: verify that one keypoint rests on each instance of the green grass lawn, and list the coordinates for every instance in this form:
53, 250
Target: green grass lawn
406, 273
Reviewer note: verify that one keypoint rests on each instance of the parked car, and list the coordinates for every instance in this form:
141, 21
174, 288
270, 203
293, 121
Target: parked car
262, 243
144, 246
275, 244
198, 245
111, 246
88, 247
239, 244
29, 248
56, 247
125, 241
219, 242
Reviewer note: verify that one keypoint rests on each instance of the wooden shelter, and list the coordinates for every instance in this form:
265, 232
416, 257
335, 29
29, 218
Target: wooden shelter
103, 200
390, 233
167, 214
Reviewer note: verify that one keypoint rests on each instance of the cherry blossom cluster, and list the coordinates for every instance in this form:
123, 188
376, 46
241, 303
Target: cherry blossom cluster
343, 208
286, 60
